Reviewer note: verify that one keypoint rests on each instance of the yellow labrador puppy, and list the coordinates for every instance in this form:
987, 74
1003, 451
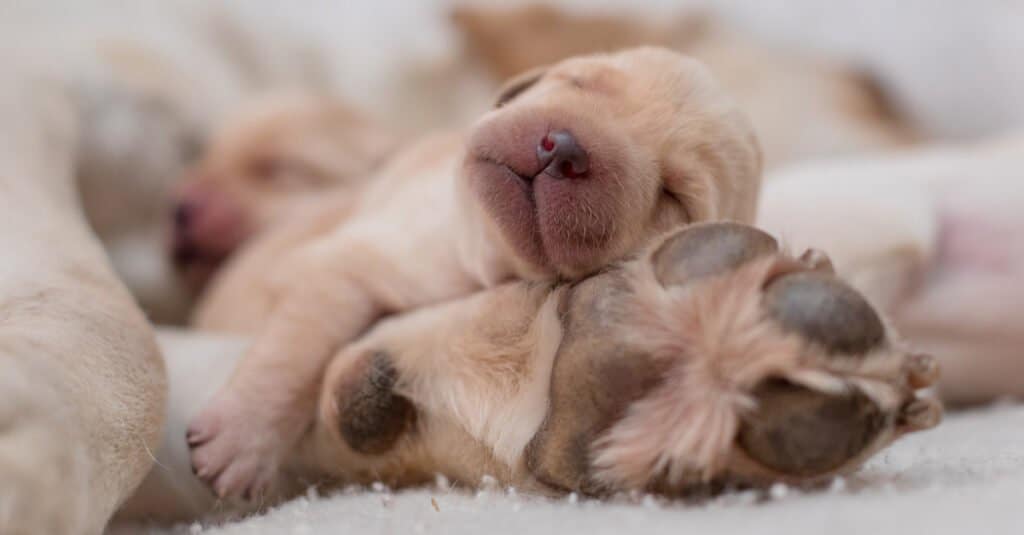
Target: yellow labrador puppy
272, 160
577, 166
711, 358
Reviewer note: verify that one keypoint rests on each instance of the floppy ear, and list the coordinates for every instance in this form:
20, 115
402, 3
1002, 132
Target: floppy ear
518, 84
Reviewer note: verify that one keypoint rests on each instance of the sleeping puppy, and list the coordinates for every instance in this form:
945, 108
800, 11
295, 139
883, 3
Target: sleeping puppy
275, 158
710, 359
579, 165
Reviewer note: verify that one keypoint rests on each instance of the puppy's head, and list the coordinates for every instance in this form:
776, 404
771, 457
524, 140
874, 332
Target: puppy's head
275, 158
717, 359
582, 162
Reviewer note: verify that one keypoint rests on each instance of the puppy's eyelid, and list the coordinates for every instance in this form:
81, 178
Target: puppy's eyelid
518, 85
687, 215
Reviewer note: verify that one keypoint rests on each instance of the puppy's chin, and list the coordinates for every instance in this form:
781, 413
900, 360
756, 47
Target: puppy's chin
563, 226
197, 274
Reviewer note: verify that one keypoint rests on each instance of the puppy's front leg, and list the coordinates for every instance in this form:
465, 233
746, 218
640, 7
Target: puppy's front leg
238, 440
458, 389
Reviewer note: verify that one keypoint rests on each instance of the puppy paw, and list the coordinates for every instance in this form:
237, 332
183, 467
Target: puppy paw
236, 447
848, 389
719, 358
362, 405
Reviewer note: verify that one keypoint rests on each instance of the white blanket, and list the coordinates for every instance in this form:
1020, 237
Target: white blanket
966, 476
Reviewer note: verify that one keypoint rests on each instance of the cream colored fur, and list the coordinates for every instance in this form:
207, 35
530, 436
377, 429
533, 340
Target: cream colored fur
423, 232
80, 374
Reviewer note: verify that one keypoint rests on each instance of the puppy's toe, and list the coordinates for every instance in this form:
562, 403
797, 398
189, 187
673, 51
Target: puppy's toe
200, 431
234, 447
919, 414
922, 370
817, 260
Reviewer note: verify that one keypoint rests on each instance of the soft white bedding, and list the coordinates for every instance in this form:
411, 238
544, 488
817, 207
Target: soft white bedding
966, 476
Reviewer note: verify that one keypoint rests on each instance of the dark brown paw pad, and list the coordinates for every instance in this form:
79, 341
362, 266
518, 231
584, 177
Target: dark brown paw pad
707, 249
371, 416
825, 310
799, 432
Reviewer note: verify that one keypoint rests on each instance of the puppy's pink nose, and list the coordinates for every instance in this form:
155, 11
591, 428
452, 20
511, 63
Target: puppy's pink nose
561, 156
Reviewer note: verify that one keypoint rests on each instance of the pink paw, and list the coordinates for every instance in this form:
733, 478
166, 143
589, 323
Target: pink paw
236, 449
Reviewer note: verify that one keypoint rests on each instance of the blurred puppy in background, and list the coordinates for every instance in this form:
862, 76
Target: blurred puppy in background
801, 106
273, 160
578, 165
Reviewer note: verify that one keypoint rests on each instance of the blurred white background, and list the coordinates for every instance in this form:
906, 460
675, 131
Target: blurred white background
953, 66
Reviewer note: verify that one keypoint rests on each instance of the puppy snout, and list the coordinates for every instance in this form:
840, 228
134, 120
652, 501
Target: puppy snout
204, 225
561, 156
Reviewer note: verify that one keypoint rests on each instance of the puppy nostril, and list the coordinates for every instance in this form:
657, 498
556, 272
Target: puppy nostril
560, 155
567, 170
182, 215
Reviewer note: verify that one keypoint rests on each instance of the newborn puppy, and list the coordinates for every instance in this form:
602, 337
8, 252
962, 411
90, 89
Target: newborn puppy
712, 358
276, 157
579, 165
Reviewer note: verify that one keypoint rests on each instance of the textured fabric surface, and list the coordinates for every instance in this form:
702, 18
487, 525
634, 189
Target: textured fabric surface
966, 476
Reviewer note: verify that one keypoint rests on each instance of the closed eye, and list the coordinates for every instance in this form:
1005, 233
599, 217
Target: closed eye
285, 174
681, 203
516, 86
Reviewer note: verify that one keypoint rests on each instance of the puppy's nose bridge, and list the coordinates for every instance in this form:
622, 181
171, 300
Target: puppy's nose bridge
561, 156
